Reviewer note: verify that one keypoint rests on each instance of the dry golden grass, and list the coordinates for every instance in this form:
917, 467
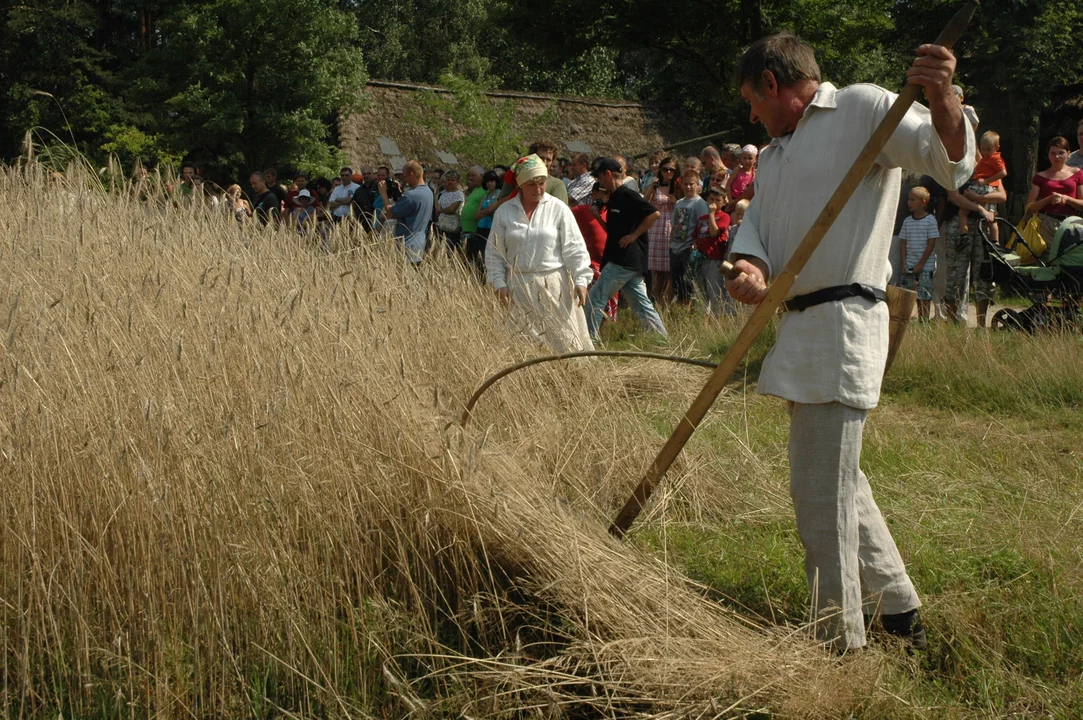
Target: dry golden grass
233, 485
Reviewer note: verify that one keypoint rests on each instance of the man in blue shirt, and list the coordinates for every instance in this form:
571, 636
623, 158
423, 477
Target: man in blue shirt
412, 212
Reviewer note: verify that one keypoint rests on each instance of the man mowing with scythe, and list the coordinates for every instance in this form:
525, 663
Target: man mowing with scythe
832, 339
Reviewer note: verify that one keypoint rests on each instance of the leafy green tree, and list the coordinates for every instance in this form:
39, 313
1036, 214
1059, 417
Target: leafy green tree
52, 77
233, 84
419, 40
239, 84
473, 125
681, 54
854, 39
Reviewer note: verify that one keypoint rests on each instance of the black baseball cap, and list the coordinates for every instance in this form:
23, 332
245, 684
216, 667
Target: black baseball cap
606, 165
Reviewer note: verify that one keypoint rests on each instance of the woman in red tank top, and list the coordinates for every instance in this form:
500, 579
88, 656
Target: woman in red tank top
1057, 192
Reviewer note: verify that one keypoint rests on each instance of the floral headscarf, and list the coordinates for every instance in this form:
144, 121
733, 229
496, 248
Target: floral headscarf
527, 168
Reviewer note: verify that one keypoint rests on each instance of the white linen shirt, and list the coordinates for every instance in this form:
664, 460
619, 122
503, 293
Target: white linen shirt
836, 351
548, 241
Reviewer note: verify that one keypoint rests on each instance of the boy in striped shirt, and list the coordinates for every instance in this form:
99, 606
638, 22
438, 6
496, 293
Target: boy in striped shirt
918, 236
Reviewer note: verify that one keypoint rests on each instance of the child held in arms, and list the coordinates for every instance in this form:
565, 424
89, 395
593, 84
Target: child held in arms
917, 236
988, 174
743, 175
685, 214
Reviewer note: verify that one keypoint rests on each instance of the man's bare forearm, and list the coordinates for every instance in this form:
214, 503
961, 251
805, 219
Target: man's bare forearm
950, 125
647, 223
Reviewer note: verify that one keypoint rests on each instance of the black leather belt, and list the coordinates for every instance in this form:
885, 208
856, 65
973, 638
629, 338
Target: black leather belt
831, 294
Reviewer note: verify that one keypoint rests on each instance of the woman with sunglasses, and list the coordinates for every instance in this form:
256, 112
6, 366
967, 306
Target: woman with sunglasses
662, 194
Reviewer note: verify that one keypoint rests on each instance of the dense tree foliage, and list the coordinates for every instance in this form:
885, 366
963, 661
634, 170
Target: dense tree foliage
232, 84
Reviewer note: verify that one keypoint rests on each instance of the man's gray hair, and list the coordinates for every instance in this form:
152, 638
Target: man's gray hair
732, 148
478, 169
711, 151
784, 54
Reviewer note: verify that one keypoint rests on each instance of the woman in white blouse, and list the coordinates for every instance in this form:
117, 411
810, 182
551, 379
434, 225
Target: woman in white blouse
538, 262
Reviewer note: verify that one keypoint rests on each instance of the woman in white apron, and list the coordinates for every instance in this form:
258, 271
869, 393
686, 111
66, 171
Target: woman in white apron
538, 262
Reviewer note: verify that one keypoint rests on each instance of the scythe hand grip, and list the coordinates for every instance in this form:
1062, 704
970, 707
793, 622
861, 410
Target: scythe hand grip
780, 288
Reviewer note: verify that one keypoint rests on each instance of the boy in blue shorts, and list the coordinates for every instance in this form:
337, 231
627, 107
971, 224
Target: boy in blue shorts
918, 236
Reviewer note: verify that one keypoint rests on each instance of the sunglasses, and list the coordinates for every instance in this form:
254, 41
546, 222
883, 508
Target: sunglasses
668, 169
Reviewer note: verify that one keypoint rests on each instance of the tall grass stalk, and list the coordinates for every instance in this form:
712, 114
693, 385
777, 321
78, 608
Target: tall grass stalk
232, 485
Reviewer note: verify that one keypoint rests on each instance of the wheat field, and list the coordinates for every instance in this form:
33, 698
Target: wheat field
233, 485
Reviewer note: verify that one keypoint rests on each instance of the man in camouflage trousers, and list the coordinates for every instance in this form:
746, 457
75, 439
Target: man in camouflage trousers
964, 255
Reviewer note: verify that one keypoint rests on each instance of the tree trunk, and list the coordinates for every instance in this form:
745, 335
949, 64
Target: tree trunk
752, 20
1025, 130
101, 8
144, 30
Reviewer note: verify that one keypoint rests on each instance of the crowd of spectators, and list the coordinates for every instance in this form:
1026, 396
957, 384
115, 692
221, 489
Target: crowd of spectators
701, 198
940, 232
647, 238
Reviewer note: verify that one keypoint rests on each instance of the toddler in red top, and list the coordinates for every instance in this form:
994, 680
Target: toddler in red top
711, 238
988, 173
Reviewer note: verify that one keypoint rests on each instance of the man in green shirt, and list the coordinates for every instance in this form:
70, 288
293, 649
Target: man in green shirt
475, 193
187, 183
547, 151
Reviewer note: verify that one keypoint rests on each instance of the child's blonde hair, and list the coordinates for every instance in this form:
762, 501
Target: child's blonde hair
690, 175
741, 206
920, 192
992, 137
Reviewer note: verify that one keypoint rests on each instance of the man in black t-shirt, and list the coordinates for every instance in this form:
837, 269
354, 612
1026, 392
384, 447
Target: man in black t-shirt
270, 176
624, 261
265, 206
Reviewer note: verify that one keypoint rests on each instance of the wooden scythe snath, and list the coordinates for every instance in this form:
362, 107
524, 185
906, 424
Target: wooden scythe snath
781, 286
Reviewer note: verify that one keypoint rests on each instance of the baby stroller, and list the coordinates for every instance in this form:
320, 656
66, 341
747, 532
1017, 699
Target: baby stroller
1052, 281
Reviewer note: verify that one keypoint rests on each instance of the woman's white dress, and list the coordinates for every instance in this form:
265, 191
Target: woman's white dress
541, 260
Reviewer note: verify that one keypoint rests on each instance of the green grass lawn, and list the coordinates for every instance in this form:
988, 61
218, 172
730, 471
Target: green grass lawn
974, 457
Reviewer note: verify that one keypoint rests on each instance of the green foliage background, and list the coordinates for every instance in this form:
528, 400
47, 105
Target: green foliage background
229, 84
485, 132
234, 84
